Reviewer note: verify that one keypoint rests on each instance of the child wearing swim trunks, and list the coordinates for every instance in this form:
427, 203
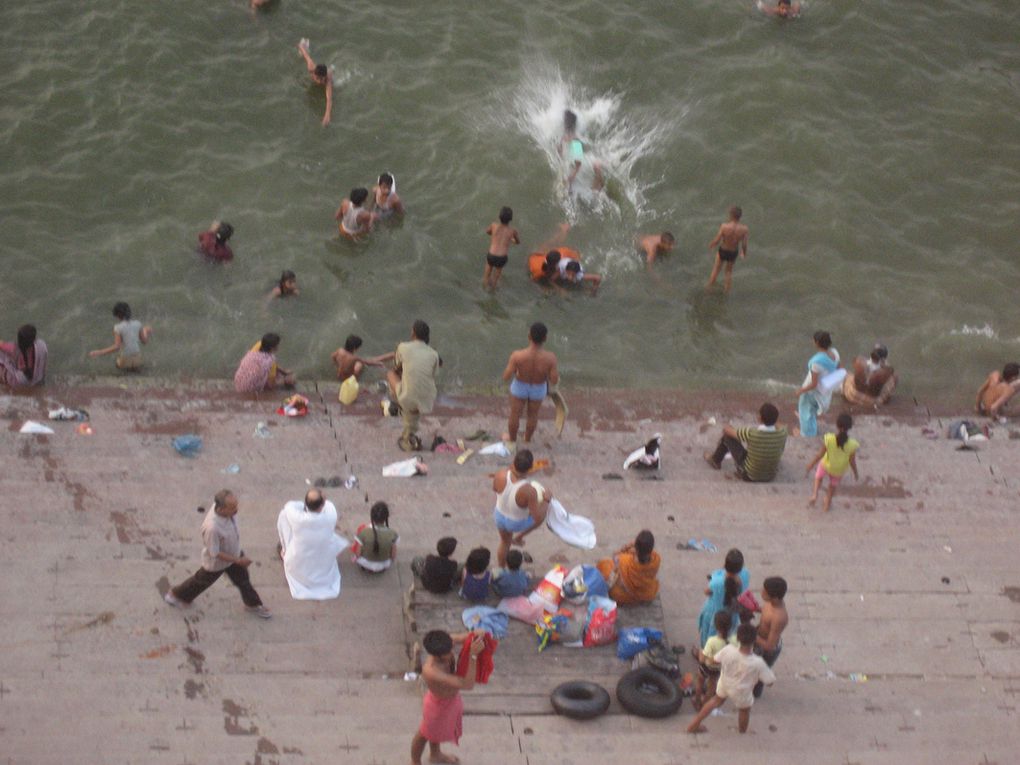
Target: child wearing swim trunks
837, 455
502, 235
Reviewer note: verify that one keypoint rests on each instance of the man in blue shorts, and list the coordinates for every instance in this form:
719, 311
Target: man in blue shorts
530, 371
521, 504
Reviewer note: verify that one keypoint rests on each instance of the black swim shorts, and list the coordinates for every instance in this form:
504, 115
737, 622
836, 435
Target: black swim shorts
728, 256
496, 261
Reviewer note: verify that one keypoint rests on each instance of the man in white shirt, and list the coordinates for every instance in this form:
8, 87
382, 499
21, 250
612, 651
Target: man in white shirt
309, 547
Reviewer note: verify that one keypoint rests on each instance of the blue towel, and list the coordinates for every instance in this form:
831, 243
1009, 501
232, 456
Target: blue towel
491, 620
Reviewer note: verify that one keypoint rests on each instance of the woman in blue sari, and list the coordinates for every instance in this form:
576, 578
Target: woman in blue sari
724, 585
814, 399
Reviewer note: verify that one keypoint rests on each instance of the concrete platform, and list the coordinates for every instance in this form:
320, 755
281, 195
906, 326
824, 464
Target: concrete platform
912, 579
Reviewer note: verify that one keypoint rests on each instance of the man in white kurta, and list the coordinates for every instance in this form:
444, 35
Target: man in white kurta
310, 546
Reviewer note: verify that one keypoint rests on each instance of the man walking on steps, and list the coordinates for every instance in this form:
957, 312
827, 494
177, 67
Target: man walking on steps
221, 553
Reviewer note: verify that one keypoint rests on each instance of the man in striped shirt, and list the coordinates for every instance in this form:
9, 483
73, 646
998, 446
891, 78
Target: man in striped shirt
756, 451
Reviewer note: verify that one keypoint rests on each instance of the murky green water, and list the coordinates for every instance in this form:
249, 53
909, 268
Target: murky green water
875, 149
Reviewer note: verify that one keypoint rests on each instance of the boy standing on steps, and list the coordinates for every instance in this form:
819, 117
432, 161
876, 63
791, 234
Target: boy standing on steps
740, 671
769, 642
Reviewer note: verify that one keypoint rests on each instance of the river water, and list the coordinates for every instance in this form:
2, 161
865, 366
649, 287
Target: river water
874, 148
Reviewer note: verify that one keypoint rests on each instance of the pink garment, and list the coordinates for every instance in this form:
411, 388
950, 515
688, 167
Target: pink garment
252, 373
821, 472
441, 719
14, 365
212, 248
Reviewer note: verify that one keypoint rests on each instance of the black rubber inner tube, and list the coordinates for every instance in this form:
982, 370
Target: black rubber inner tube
647, 692
580, 699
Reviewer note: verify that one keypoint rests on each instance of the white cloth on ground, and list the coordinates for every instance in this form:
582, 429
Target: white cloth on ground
575, 530
310, 549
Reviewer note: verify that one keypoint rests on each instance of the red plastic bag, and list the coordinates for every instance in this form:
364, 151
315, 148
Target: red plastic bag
601, 629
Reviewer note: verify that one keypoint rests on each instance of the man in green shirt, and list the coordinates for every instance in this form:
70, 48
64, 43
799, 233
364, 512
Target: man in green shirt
413, 382
759, 459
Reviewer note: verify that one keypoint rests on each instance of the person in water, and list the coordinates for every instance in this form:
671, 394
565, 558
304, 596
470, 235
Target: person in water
128, 337
656, 245
354, 221
349, 364
386, 203
320, 76
23, 362
731, 241
784, 9
501, 236
998, 389
286, 287
570, 272
572, 149
213, 242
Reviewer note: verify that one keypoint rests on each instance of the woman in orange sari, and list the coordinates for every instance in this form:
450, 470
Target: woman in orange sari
631, 573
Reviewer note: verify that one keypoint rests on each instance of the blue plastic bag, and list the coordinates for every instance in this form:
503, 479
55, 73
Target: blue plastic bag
595, 582
188, 446
634, 640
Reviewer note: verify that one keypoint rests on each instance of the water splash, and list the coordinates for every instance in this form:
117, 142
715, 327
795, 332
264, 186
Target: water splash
616, 137
985, 331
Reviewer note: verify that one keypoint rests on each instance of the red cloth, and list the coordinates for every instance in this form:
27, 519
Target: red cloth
484, 664
212, 248
441, 719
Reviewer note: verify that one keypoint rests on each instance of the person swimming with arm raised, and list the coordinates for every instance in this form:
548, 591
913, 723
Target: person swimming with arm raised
320, 76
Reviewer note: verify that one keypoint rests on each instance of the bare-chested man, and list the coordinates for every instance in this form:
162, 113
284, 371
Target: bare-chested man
654, 245
348, 363
320, 76
521, 504
774, 618
442, 709
501, 236
529, 371
731, 241
998, 389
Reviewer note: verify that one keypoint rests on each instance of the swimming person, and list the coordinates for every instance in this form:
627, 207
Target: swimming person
320, 76
286, 287
354, 221
572, 148
128, 337
655, 245
784, 9
501, 236
570, 272
386, 203
213, 242
731, 241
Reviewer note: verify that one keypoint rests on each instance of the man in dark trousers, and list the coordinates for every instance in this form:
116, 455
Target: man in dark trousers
221, 553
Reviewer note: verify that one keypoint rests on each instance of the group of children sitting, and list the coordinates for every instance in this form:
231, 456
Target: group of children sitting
440, 573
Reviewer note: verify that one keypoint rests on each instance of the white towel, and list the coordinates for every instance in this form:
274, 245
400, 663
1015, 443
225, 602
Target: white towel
575, 530
310, 547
